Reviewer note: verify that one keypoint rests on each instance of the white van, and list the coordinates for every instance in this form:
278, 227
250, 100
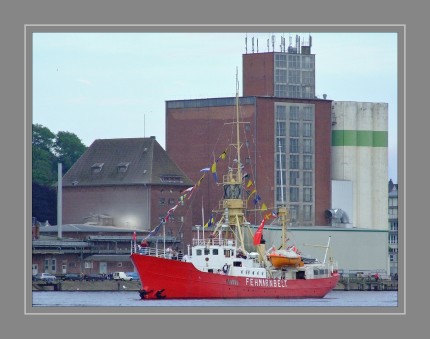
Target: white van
121, 276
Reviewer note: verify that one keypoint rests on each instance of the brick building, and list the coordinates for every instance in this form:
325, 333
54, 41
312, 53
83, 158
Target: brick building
130, 183
298, 131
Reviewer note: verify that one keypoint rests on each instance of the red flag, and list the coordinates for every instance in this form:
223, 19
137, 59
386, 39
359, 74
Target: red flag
134, 235
259, 233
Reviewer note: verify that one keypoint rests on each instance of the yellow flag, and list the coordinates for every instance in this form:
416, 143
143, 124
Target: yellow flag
263, 207
249, 184
250, 195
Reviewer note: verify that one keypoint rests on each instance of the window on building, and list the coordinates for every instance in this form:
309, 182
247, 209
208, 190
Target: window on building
281, 113
294, 112
122, 167
393, 202
294, 212
392, 213
281, 176
280, 75
307, 178
294, 91
281, 60
307, 145
281, 194
307, 212
97, 167
294, 129
293, 61
307, 62
294, 194
294, 161
307, 194
294, 145
88, 264
46, 265
307, 77
280, 145
308, 113
171, 178
307, 162
393, 226
280, 90
294, 76
281, 128
294, 178
307, 129
392, 238
162, 201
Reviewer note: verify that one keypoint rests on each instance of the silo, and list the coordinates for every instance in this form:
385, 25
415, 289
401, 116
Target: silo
359, 154
380, 165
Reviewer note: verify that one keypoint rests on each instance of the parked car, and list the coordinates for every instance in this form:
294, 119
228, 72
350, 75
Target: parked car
133, 275
48, 277
94, 277
72, 276
121, 276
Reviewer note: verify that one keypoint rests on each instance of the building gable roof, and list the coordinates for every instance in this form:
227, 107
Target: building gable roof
128, 161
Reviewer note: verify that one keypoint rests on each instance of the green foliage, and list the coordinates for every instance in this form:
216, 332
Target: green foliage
49, 149
68, 148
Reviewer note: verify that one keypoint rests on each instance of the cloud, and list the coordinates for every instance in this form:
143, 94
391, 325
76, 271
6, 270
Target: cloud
84, 82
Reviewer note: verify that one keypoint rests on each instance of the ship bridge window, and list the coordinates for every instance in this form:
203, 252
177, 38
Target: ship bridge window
198, 252
207, 251
228, 253
315, 272
237, 263
215, 251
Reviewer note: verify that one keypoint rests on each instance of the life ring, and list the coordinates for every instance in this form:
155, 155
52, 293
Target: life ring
225, 268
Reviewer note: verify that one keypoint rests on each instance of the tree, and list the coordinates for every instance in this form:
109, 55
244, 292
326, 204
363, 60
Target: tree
48, 149
68, 148
42, 157
42, 138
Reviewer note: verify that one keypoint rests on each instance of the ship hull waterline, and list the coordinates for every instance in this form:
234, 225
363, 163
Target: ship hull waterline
172, 279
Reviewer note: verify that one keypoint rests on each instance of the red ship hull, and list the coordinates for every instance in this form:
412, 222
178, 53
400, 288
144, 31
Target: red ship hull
173, 279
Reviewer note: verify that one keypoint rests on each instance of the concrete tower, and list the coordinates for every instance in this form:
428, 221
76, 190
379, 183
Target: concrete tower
360, 155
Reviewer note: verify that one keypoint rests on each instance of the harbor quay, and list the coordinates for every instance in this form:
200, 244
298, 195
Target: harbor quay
103, 285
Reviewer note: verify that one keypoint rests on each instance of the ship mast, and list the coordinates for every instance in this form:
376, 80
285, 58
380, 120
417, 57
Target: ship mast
282, 210
239, 164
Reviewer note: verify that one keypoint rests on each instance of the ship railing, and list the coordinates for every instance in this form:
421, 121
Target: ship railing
167, 253
213, 242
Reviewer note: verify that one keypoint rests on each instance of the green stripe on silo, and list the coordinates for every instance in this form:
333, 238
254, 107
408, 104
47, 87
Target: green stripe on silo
359, 138
380, 139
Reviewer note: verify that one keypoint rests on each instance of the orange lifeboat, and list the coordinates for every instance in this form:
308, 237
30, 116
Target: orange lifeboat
280, 258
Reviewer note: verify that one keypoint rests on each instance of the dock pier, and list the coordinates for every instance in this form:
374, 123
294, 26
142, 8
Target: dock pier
348, 283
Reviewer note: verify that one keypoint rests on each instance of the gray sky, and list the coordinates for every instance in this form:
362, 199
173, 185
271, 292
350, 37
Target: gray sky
114, 85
